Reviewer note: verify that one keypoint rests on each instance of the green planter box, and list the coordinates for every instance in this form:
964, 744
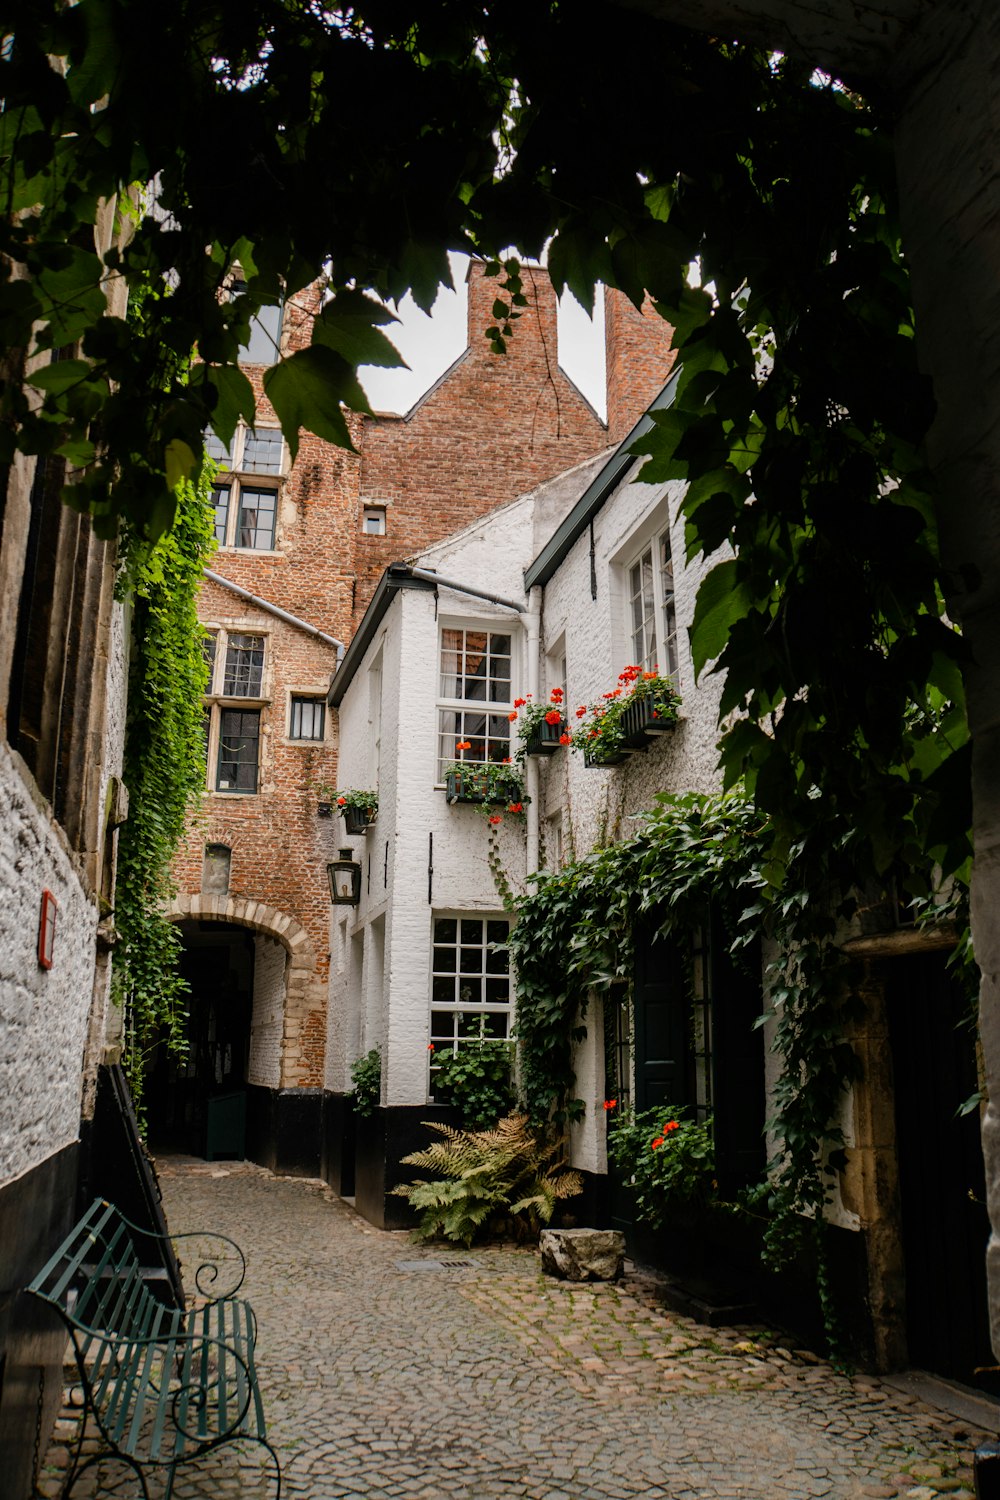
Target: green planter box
545, 739
473, 786
359, 819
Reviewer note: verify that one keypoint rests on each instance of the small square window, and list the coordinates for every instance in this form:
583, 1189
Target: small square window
373, 520
308, 719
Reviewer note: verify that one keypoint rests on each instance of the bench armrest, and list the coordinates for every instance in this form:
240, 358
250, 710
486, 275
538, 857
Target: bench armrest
207, 1273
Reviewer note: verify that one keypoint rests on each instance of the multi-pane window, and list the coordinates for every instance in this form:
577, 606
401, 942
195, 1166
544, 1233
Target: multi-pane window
652, 621
470, 983
233, 729
308, 719
239, 744
474, 696
246, 491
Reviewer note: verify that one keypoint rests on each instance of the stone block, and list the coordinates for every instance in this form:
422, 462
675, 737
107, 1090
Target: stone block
583, 1254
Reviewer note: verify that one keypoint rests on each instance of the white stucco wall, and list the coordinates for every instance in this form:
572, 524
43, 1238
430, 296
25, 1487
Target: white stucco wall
267, 1017
43, 1013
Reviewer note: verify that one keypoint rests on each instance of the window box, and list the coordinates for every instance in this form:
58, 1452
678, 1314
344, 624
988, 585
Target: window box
641, 723
600, 759
545, 738
358, 820
477, 784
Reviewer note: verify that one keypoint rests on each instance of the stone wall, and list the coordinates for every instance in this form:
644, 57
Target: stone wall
267, 1020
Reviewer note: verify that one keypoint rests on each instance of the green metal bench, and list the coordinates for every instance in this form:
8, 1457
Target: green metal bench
164, 1385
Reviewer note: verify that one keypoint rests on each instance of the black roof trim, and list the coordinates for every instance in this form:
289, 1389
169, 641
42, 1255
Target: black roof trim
396, 577
600, 487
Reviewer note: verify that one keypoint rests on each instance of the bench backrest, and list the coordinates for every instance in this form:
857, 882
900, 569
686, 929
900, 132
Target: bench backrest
95, 1280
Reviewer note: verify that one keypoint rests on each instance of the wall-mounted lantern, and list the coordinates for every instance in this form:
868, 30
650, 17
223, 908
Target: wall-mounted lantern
47, 929
345, 880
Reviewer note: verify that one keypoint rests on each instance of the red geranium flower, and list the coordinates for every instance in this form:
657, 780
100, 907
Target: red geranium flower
671, 1125
512, 717
430, 1046
657, 1142
553, 716
610, 1103
464, 745
495, 818
565, 739
581, 711
341, 801
556, 695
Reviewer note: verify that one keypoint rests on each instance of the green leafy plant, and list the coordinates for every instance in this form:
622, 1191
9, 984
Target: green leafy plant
666, 1158
530, 716
363, 801
602, 730
366, 1076
496, 786
506, 1177
476, 1079
164, 769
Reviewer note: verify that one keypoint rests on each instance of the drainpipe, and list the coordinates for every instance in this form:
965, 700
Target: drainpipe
532, 626
278, 612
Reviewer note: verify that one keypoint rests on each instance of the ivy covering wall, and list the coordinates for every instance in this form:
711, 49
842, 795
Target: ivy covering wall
164, 770
575, 934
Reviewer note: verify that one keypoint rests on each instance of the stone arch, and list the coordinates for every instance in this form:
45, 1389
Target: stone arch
300, 973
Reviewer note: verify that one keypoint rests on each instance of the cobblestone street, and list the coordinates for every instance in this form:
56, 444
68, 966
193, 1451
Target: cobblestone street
415, 1372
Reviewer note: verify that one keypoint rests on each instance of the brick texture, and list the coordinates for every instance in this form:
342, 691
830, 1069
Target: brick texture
639, 360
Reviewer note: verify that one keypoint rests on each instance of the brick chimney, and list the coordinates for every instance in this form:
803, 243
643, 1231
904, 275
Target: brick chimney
639, 359
535, 327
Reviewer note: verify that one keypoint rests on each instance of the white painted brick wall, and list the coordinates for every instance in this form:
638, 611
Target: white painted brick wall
267, 1020
43, 1013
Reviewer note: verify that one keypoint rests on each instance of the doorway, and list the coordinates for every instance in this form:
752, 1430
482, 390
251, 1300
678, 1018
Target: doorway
197, 1104
942, 1182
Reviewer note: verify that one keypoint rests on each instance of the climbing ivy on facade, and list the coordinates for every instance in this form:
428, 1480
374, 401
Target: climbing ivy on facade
164, 770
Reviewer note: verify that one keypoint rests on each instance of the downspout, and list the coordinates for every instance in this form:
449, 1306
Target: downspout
278, 612
532, 627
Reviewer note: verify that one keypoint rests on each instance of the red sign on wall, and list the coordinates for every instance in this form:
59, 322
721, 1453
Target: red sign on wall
47, 929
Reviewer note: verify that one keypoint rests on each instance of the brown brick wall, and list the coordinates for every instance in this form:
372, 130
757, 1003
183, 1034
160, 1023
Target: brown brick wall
492, 428
639, 360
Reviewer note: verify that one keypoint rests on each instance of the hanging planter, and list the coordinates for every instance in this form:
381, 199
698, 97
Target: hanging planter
541, 727
643, 720
359, 810
546, 737
627, 718
598, 759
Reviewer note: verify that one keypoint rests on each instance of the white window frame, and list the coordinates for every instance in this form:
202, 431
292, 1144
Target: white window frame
456, 1009
498, 734
217, 701
234, 477
376, 511
659, 649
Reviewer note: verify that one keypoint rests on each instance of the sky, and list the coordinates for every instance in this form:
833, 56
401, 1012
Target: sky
430, 344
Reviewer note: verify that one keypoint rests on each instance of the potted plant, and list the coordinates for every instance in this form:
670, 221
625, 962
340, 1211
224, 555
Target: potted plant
643, 705
359, 809
541, 727
667, 1159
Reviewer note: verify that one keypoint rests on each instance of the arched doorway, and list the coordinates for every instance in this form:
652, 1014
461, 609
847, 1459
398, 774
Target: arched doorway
197, 1104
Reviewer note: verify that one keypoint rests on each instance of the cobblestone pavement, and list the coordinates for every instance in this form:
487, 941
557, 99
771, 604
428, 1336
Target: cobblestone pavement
402, 1372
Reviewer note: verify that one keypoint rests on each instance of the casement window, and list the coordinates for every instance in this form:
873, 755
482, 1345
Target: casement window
652, 622
263, 346
234, 706
247, 487
470, 982
307, 720
474, 702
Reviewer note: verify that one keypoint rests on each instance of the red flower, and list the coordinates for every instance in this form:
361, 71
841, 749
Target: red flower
657, 1142
556, 695
671, 1125
430, 1046
565, 739
610, 1103
341, 801
581, 711
516, 807
464, 745
495, 818
649, 676
553, 716
512, 717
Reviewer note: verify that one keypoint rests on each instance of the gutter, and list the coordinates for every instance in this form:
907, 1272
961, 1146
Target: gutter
397, 577
278, 612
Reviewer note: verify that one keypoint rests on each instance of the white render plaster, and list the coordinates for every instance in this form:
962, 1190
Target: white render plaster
43, 1013
267, 1017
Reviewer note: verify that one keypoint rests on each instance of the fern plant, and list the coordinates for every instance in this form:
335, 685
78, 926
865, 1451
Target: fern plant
485, 1179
